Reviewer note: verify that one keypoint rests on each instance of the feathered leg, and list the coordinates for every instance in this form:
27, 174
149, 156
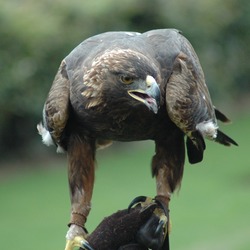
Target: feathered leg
167, 166
81, 154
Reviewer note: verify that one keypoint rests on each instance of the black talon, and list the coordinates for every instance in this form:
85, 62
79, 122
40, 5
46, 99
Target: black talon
151, 234
166, 211
86, 246
154, 233
135, 201
159, 228
163, 206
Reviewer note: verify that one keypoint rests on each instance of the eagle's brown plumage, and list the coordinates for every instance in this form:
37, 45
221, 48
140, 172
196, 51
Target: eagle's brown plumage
128, 86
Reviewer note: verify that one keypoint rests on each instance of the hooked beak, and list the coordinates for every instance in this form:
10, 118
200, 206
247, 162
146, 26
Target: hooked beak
150, 97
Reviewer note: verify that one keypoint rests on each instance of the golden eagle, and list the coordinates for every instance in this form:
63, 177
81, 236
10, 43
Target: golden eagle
128, 86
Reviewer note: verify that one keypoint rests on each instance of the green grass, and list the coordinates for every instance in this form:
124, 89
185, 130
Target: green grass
211, 211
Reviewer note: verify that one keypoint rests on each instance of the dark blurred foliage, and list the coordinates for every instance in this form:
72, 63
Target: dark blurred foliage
36, 35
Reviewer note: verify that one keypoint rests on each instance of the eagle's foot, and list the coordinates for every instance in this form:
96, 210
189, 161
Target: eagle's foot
76, 238
143, 201
153, 234
78, 241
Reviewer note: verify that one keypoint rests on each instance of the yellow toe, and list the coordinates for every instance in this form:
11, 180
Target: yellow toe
78, 241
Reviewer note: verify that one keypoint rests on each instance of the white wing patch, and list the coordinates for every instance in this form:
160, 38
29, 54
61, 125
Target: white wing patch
208, 129
46, 137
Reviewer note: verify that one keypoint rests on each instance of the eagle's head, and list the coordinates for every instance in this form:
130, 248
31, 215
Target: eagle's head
122, 76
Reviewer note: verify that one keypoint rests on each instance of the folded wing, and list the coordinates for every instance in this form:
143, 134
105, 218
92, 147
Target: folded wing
190, 107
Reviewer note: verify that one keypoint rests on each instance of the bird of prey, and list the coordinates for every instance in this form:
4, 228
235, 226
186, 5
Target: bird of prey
128, 86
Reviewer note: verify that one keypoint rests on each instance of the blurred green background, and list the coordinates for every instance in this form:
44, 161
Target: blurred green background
212, 209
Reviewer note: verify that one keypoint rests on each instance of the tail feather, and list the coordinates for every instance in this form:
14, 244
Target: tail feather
224, 139
195, 147
220, 116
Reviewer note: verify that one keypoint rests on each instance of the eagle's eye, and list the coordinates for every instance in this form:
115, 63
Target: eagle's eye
127, 79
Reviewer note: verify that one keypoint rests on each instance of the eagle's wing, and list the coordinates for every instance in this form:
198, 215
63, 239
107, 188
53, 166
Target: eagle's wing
68, 82
189, 106
187, 97
56, 110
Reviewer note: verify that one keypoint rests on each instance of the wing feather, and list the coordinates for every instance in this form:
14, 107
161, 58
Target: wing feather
189, 105
187, 97
220, 116
56, 107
